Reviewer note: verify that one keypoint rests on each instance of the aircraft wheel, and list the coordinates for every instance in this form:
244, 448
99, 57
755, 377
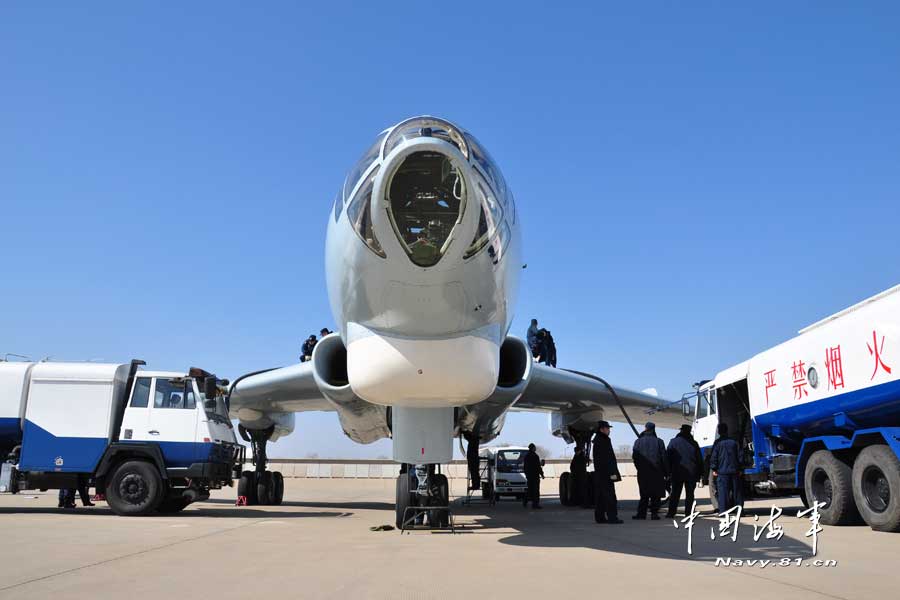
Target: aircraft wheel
403, 498
264, 488
876, 487
277, 488
247, 487
829, 480
440, 518
565, 489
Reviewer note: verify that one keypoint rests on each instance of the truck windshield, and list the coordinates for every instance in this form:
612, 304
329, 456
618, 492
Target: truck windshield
511, 461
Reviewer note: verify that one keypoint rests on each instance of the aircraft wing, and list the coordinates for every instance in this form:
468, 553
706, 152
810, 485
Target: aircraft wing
283, 390
559, 390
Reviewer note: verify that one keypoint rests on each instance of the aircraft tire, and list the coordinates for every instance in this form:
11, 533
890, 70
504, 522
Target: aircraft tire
247, 487
828, 479
440, 518
264, 488
565, 489
402, 500
277, 488
876, 487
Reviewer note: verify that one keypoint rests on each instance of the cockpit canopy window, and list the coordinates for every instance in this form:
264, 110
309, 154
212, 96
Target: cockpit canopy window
487, 165
426, 127
359, 169
427, 195
338, 205
360, 214
490, 218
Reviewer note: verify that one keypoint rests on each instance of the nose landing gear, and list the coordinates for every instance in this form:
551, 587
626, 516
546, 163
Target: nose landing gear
260, 487
423, 496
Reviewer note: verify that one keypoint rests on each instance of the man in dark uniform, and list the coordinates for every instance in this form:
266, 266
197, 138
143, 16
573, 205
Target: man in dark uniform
306, 349
606, 474
725, 464
534, 472
686, 463
578, 469
649, 456
473, 460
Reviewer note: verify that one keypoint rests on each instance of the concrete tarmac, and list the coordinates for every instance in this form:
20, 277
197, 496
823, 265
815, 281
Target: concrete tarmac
318, 545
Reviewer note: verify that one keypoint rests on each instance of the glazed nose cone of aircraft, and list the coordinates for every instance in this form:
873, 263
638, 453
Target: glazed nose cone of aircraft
422, 260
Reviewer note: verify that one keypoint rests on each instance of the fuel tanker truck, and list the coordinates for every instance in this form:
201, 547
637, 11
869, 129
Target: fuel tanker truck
819, 415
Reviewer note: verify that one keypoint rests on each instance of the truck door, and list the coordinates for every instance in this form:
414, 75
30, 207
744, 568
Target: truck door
163, 411
706, 420
173, 420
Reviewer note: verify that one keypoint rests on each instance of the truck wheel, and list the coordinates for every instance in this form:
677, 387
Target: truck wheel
264, 488
247, 487
565, 488
828, 480
440, 518
277, 488
135, 488
402, 500
876, 487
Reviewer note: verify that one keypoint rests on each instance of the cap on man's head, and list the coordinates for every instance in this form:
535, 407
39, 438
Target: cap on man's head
534, 321
686, 428
650, 426
324, 331
723, 428
602, 424
531, 447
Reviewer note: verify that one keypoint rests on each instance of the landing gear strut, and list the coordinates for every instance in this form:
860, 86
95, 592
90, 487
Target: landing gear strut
420, 487
260, 486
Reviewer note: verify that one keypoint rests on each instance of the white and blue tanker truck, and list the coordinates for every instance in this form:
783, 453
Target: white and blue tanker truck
149, 441
819, 415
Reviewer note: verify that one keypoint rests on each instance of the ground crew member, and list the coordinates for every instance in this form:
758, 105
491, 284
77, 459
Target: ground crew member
306, 349
578, 469
649, 456
686, 463
534, 472
551, 348
473, 460
531, 338
606, 474
726, 467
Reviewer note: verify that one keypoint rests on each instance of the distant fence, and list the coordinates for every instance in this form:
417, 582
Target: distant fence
336, 468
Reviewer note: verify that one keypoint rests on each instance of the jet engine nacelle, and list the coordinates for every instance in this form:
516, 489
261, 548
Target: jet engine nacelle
362, 421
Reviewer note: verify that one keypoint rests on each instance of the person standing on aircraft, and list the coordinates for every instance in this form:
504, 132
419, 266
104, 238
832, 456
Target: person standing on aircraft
686, 462
307, 349
551, 349
606, 474
726, 467
652, 462
534, 472
531, 337
324, 331
578, 468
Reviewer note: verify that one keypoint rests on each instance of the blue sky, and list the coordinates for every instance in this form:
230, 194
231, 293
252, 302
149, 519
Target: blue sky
697, 182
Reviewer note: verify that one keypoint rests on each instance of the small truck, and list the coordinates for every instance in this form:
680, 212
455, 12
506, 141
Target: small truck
504, 472
148, 441
819, 415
